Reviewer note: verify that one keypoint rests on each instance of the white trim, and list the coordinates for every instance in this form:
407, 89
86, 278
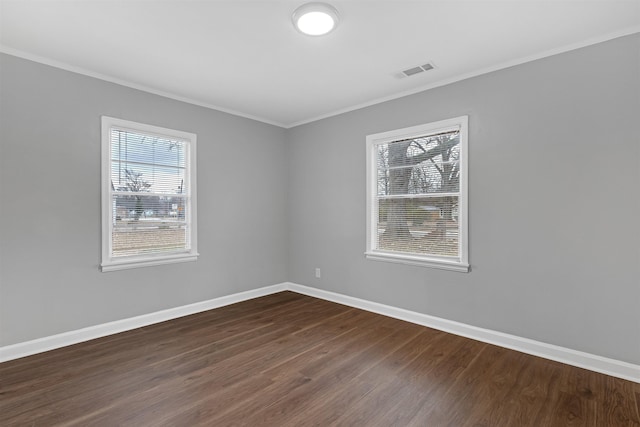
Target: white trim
79, 70
110, 263
442, 264
459, 263
128, 263
72, 68
592, 362
567, 48
52, 342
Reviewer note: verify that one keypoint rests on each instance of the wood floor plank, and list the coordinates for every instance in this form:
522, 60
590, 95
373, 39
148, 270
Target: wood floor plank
328, 376
273, 409
636, 392
114, 348
293, 360
122, 381
392, 355
400, 386
282, 368
575, 404
240, 371
617, 402
469, 390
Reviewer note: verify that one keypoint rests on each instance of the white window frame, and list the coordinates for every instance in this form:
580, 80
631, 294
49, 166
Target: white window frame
460, 263
110, 263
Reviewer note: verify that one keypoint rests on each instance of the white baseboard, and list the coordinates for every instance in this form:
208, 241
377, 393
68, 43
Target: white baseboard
592, 362
615, 368
52, 342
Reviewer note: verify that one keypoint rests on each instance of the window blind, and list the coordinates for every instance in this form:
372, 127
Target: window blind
416, 204
150, 194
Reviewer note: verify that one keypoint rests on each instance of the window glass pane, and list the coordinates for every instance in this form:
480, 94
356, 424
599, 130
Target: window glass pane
425, 225
131, 147
148, 190
424, 165
148, 225
417, 195
426, 178
147, 178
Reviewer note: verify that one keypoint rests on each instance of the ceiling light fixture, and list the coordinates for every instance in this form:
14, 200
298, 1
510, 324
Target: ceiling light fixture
315, 19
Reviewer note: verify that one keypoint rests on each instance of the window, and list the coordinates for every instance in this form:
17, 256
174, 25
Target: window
148, 195
417, 195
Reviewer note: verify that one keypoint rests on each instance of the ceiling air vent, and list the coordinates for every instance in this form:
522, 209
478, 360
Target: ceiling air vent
417, 70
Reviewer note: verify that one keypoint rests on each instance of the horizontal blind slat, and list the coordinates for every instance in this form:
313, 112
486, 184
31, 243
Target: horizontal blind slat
417, 195
149, 194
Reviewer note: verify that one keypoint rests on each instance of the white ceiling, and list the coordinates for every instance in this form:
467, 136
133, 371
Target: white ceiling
245, 57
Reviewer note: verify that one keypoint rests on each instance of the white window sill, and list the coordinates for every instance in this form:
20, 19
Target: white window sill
137, 262
442, 264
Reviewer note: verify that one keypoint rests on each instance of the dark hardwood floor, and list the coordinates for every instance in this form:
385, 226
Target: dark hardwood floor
292, 360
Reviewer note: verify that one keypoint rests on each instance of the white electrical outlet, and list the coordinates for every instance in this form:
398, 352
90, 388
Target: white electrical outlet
317, 273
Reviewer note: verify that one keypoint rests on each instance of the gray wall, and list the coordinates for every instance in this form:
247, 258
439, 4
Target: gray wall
554, 202
50, 204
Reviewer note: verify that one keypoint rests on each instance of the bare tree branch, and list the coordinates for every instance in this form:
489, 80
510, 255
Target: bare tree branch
432, 152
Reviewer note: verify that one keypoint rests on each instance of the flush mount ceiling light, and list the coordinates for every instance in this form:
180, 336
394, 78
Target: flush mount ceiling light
315, 19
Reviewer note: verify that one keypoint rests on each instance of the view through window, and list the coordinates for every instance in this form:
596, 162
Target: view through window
150, 194
417, 194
